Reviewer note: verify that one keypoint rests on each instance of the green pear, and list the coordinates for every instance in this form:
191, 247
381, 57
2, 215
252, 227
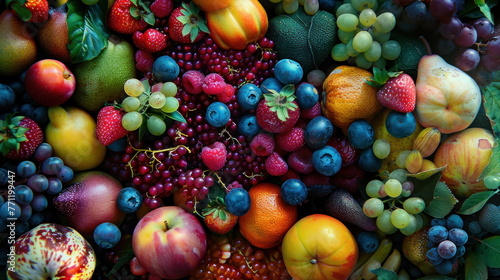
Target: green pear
101, 79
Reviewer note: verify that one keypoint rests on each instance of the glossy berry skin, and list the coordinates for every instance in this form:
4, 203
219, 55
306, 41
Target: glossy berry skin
307, 95
293, 191
26, 168
217, 114
398, 94
214, 156
109, 126
249, 96
433, 257
165, 69
129, 200
367, 241
288, 71
248, 126
33, 134
7, 98
151, 40
360, 134
120, 20
368, 161
458, 236
447, 249
24, 195
437, 234
454, 221
237, 201
318, 132
107, 235
327, 160
400, 125
270, 83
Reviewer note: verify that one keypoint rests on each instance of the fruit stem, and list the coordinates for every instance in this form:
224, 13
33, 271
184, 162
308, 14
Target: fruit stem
166, 225
426, 44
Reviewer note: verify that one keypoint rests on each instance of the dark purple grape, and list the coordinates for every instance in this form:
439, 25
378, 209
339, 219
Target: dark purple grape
66, 174
451, 29
493, 47
430, 23
443, 46
26, 212
39, 202
24, 195
433, 257
38, 183
447, 249
467, 38
392, 7
466, 59
26, 168
443, 10
490, 64
415, 13
43, 152
55, 186
52, 166
36, 219
484, 28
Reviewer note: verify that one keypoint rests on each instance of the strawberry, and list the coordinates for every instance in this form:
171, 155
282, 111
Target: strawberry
162, 8
19, 137
278, 111
109, 126
185, 25
151, 40
126, 18
217, 218
397, 90
36, 11
214, 156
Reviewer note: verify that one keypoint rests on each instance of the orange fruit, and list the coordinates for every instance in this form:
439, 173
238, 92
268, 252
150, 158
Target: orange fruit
269, 217
348, 97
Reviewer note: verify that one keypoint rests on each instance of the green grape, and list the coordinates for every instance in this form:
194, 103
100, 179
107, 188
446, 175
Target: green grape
157, 100
373, 207
362, 41
347, 22
380, 63
391, 50
384, 222
400, 218
492, 182
130, 104
89, 2
171, 105
420, 221
380, 37
399, 174
344, 36
414, 205
360, 5
393, 188
367, 17
411, 228
169, 89
401, 158
350, 50
133, 87
156, 126
381, 148
132, 120
407, 188
374, 52
339, 52
385, 22
373, 187
290, 6
361, 62
346, 8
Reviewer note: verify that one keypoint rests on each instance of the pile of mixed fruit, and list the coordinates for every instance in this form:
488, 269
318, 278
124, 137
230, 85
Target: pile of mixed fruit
249, 139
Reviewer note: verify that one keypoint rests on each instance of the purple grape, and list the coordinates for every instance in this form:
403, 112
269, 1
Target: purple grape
438, 222
447, 249
466, 59
26, 212
52, 166
414, 13
444, 267
460, 251
443, 46
26, 169
467, 38
451, 29
24, 194
437, 234
10, 210
55, 186
430, 23
443, 10
4, 176
454, 221
39, 202
493, 47
66, 174
458, 236
490, 64
433, 257
36, 219
21, 227
43, 152
484, 28
392, 7
38, 183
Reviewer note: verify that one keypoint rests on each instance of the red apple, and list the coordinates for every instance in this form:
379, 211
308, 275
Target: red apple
49, 82
169, 242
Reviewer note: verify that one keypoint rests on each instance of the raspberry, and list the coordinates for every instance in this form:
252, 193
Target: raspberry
192, 81
312, 112
227, 94
162, 8
276, 165
348, 153
144, 61
301, 161
213, 84
290, 140
151, 40
262, 144
214, 156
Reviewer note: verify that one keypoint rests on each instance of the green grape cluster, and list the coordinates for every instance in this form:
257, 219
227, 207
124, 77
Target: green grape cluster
148, 104
311, 7
393, 206
365, 35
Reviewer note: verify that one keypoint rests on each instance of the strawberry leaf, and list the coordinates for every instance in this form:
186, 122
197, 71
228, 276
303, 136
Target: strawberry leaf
222, 214
22, 12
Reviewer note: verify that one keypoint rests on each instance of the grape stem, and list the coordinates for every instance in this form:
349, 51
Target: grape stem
426, 44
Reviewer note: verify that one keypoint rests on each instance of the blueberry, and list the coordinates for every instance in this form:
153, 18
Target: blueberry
52, 166
317, 132
237, 201
475, 228
7, 98
438, 222
26, 212
447, 249
288, 71
118, 145
40, 115
248, 126
270, 83
367, 241
26, 169
38, 183
293, 191
458, 236
55, 186
400, 125
107, 235
66, 174
4, 176
129, 200
165, 69
39, 202
368, 161
437, 234
360, 134
10, 209
433, 257
327, 161
460, 251
307, 95
24, 195
27, 110
249, 96
217, 114
454, 221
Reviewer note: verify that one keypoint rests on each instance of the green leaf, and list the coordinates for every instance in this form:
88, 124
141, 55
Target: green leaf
176, 116
443, 201
88, 35
484, 9
426, 174
385, 274
491, 95
222, 215
149, 18
143, 128
490, 250
23, 12
287, 90
493, 167
475, 267
425, 188
475, 202
122, 260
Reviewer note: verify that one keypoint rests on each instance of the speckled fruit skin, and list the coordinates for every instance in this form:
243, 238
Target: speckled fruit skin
169, 242
319, 246
52, 251
89, 201
466, 154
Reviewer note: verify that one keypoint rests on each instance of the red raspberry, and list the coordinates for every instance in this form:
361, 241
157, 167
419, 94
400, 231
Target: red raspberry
151, 40
311, 113
290, 140
213, 84
227, 94
276, 165
144, 61
262, 144
348, 153
192, 81
214, 156
301, 161
162, 8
